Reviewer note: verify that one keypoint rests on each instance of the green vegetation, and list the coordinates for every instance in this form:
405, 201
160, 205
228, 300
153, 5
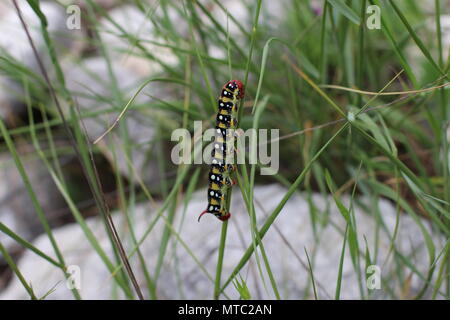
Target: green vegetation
357, 113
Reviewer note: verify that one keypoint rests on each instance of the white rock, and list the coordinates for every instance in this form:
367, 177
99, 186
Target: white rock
202, 239
445, 30
271, 18
90, 79
138, 25
16, 208
14, 43
14, 39
91, 84
428, 35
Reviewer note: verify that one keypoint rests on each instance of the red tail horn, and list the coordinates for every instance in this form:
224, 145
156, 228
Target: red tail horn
201, 214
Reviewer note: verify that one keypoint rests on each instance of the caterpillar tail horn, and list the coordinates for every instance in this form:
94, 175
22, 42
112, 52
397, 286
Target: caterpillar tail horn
201, 214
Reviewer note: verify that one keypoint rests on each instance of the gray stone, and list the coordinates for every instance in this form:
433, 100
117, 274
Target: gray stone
284, 244
91, 86
17, 211
14, 43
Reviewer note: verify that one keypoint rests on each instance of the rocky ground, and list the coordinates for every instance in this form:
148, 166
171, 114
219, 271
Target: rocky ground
181, 276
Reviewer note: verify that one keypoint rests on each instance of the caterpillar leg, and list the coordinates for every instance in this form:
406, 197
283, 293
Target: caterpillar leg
231, 167
230, 182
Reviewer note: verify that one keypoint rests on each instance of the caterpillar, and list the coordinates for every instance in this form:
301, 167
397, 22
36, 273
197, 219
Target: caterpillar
220, 172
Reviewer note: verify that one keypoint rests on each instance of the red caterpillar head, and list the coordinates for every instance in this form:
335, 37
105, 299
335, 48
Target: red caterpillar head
233, 84
225, 217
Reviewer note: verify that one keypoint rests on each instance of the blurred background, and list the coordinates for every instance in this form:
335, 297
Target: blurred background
358, 90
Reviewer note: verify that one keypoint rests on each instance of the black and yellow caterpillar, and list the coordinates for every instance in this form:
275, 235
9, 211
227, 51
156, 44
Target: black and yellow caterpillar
219, 175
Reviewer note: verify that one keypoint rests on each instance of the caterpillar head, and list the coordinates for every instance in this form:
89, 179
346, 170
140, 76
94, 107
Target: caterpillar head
225, 217
233, 84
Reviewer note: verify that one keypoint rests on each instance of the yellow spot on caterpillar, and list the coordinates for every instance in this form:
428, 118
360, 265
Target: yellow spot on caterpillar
215, 186
218, 155
215, 170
